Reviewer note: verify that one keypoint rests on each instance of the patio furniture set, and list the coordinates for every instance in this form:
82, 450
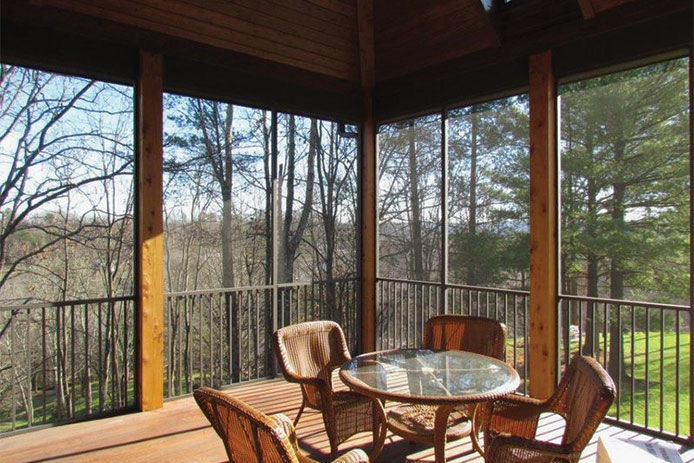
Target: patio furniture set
456, 385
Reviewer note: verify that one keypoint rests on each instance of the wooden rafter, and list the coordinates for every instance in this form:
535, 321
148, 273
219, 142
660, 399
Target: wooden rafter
587, 8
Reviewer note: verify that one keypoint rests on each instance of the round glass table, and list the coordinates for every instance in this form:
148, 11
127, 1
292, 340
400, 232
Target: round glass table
442, 379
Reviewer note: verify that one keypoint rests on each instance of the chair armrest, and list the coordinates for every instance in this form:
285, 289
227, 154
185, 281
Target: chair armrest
353, 456
284, 424
513, 414
293, 377
511, 449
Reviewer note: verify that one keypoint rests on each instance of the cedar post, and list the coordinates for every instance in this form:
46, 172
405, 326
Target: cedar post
150, 230
369, 190
543, 226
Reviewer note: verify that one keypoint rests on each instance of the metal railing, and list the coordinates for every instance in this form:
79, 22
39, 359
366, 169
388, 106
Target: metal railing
404, 306
646, 349
220, 337
66, 361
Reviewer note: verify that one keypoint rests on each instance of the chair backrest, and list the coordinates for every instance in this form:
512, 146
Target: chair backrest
464, 332
249, 436
584, 395
313, 350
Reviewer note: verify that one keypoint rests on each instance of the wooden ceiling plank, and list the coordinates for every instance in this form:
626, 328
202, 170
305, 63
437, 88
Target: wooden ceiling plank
490, 20
328, 67
347, 8
602, 5
421, 34
317, 9
300, 12
306, 30
202, 17
404, 43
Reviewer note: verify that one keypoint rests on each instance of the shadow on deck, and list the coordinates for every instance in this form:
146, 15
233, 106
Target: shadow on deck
179, 433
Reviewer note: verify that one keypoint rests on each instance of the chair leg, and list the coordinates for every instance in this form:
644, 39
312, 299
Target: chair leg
330, 424
301, 410
333, 442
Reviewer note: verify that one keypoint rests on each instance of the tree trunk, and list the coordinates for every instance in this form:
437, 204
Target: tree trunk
472, 219
416, 219
327, 170
592, 273
226, 187
616, 359
291, 240
268, 235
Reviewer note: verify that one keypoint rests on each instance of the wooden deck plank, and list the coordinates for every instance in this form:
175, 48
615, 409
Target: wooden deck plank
179, 432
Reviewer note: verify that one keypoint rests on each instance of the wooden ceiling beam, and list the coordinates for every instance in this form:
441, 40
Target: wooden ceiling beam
367, 53
490, 13
587, 8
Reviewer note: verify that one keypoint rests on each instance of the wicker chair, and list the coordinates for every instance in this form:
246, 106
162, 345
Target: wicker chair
583, 397
480, 335
308, 353
450, 332
252, 437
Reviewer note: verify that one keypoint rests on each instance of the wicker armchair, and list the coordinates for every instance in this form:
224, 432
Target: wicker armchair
583, 397
308, 353
252, 437
450, 332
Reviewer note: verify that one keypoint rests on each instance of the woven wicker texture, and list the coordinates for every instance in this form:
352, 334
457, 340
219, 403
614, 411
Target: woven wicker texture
307, 354
453, 332
249, 436
419, 420
462, 332
583, 398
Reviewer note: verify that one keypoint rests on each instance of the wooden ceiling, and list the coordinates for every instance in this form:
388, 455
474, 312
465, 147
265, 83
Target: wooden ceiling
321, 36
413, 34
314, 35
314, 45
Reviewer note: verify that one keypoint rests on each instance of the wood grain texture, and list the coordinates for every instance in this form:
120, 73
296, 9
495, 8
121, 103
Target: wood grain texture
602, 5
62, 41
301, 33
369, 225
543, 226
590, 8
150, 202
413, 34
180, 433
369, 166
587, 8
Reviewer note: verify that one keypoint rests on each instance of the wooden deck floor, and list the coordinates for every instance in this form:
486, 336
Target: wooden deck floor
179, 433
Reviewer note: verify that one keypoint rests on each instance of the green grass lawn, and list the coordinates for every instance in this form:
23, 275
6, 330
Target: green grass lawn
667, 387
51, 409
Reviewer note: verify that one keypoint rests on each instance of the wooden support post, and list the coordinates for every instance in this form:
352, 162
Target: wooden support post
150, 234
543, 227
369, 186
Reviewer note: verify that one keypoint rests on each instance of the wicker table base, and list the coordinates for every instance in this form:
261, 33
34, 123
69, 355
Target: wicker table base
440, 428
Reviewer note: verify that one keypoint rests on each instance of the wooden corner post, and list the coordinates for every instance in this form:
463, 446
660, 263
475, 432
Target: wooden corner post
543, 226
150, 233
369, 187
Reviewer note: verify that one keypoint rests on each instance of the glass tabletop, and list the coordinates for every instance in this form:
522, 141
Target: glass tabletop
426, 376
